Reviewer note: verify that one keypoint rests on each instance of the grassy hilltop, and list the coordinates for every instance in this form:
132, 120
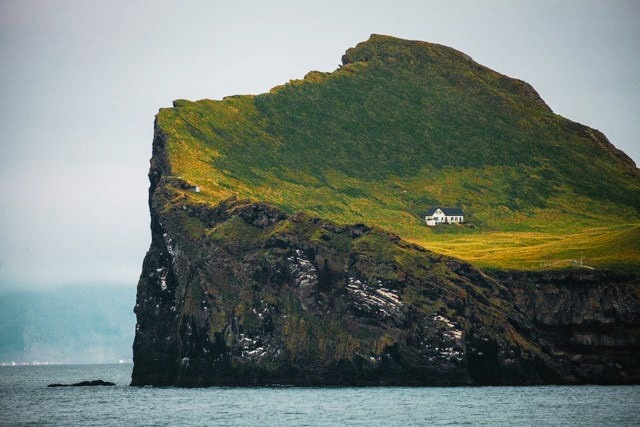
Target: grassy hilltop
405, 125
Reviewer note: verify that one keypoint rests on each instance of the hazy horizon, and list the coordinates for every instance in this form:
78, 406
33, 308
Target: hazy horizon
82, 81
67, 324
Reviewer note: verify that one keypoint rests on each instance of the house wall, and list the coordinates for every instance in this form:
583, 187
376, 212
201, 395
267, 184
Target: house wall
439, 218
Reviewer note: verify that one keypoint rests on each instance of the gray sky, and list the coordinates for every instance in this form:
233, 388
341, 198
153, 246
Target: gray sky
81, 81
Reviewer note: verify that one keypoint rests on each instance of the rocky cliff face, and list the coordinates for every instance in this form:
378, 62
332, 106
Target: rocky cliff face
591, 320
241, 293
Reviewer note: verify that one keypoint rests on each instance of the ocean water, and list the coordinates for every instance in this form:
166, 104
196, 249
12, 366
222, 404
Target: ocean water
26, 400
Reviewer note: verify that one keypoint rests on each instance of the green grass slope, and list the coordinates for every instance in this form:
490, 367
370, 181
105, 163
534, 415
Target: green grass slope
405, 125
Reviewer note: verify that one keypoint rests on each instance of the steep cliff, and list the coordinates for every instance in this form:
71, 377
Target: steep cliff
590, 318
242, 293
280, 226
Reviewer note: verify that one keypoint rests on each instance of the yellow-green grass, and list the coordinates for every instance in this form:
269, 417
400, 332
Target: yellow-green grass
615, 247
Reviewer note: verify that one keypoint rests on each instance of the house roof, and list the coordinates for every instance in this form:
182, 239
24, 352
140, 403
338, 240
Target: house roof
447, 211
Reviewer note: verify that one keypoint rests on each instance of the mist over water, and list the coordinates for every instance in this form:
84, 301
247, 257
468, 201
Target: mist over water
25, 399
72, 324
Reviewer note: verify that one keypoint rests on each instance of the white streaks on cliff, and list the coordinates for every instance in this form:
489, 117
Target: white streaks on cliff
264, 311
374, 297
451, 333
168, 242
163, 272
251, 348
302, 270
447, 343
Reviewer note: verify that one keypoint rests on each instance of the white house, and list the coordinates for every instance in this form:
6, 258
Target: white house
439, 215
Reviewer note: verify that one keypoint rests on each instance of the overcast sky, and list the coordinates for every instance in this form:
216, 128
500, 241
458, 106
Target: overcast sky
81, 81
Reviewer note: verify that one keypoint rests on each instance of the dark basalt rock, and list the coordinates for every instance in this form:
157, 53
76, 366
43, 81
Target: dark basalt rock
92, 383
591, 318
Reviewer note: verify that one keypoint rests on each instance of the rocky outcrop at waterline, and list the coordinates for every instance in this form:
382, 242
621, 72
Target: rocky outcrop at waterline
92, 383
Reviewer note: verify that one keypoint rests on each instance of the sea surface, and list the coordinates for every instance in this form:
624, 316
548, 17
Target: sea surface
26, 400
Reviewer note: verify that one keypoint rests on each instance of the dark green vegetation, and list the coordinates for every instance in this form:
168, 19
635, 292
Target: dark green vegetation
303, 259
402, 126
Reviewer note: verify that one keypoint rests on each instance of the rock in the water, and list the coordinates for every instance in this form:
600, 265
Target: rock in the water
92, 383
